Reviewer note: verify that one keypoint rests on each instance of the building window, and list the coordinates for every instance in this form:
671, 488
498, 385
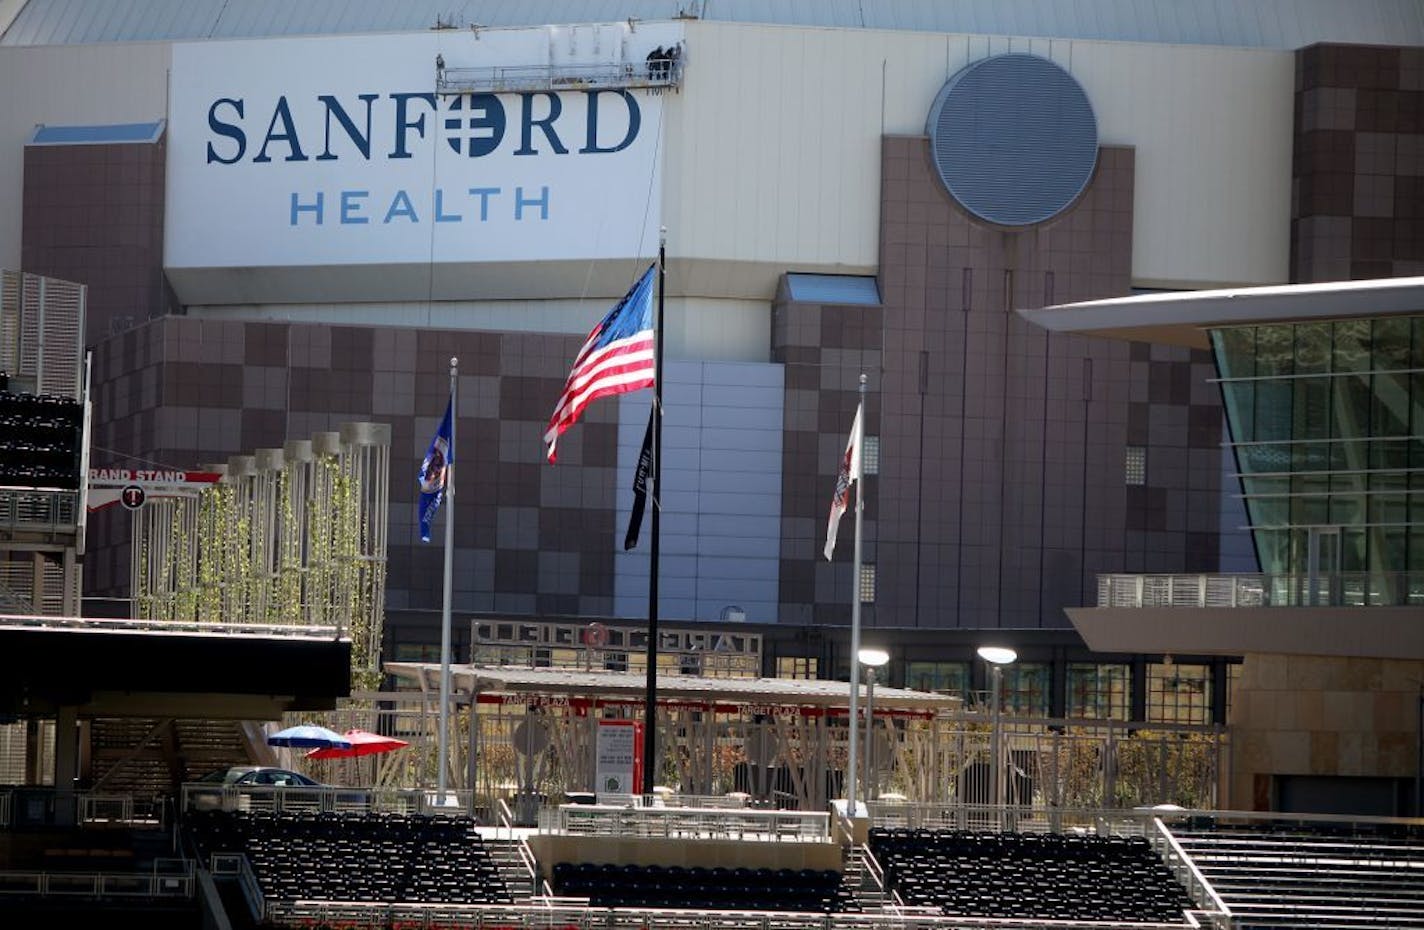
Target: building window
870, 457
941, 677
1178, 693
1025, 689
417, 652
1135, 465
802, 667
867, 584
1099, 692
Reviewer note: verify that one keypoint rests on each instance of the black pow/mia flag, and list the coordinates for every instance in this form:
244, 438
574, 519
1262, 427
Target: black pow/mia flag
640, 487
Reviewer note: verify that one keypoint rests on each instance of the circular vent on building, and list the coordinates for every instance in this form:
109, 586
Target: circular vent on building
1013, 138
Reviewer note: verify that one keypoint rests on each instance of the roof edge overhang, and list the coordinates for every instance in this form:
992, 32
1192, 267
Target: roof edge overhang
1356, 632
1183, 318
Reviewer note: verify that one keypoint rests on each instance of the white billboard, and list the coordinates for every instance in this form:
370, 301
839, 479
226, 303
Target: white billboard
339, 151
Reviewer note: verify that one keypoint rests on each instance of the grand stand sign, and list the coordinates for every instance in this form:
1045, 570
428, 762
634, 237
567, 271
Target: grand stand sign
338, 151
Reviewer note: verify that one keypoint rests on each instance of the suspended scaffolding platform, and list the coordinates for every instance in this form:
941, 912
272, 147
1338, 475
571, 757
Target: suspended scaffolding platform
657, 74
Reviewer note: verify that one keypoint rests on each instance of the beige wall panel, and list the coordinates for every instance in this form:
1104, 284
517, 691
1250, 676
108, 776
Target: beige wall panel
773, 155
69, 85
772, 147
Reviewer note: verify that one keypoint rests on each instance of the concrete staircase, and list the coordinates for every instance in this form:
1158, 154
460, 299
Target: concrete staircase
1304, 882
146, 756
860, 878
506, 856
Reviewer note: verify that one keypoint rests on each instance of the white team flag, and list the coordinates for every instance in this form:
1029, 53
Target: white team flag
850, 473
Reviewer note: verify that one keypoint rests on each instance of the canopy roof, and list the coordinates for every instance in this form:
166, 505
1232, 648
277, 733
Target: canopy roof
786, 692
1183, 317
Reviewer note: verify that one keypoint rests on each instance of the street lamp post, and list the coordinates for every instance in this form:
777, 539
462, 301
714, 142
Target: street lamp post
997, 657
871, 659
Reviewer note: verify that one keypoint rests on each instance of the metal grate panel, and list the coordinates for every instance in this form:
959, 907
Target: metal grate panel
1014, 139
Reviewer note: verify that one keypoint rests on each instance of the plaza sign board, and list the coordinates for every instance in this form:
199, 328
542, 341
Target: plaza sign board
338, 151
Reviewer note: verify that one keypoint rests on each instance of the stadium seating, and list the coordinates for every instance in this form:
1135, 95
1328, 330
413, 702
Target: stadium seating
697, 888
1301, 876
1029, 876
39, 440
355, 856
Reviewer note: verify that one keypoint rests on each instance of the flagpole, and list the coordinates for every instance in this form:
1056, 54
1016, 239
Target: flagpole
650, 701
858, 479
449, 502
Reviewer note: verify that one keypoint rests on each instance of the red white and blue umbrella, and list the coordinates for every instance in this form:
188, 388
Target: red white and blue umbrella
309, 736
363, 743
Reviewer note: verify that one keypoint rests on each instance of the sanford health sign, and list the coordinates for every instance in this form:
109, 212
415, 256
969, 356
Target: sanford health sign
338, 152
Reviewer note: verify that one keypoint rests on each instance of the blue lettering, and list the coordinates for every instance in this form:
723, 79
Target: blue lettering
484, 193
528, 122
542, 203
401, 206
351, 207
230, 130
404, 122
485, 125
635, 119
299, 208
440, 215
363, 141
287, 135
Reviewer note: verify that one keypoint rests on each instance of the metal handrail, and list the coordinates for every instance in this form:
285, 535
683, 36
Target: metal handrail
1188, 874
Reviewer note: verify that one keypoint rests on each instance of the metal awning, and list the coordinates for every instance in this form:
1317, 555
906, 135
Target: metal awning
783, 692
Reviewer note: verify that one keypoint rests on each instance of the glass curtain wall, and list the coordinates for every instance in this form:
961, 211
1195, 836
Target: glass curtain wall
1327, 423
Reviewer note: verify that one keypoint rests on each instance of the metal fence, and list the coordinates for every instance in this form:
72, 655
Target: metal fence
1350, 589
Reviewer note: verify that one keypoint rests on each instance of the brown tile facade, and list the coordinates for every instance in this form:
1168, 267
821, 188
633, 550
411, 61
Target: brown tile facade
1358, 176
181, 391
94, 214
1001, 491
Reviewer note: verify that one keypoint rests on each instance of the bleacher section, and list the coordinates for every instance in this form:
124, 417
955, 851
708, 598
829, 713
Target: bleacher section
1298, 881
397, 858
1029, 876
698, 888
40, 437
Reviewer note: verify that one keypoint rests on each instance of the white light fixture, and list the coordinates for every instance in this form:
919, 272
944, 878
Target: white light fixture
998, 655
873, 657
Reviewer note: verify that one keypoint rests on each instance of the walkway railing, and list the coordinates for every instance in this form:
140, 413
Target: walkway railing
168, 627
31, 509
1353, 589
701, 822
45, 804
1021, 818
170, 878
197, 796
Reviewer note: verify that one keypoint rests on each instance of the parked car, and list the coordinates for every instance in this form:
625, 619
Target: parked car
258, 775
227, 788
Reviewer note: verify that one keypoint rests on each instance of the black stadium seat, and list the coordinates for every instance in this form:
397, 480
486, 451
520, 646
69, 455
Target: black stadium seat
697, 888
355, 856
1052, 877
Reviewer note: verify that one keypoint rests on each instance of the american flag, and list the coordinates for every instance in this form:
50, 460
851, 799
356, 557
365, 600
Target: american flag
848, 475
616, 358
